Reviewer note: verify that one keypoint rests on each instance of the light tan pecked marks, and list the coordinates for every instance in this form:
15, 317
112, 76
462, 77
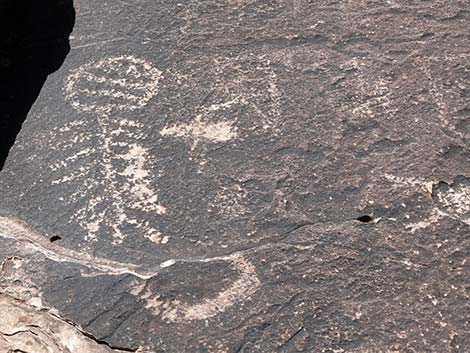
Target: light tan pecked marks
240, 290
200, 130
456, 201
117, 182
121, 188
239, 103
121, 83
229, 202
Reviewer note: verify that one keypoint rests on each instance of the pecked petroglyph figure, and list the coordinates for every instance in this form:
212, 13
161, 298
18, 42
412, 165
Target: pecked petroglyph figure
122, 83
118, 181
176, 310
115, 195
114, 88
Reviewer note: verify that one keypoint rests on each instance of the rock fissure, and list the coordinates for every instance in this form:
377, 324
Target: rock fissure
33, 329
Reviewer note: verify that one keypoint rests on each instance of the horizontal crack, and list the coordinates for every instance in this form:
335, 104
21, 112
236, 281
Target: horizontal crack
13, 228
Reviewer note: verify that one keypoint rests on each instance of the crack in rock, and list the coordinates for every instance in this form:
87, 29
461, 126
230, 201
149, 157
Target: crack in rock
24, 328
241, 289
12, 228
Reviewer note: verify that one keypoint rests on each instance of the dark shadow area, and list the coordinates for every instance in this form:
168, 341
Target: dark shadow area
34, 41
54, 238
365, 219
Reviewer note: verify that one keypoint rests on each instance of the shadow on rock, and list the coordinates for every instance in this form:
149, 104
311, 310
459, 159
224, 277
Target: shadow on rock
34, 41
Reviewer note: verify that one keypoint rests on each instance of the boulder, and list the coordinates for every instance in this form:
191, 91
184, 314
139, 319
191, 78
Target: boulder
244, 176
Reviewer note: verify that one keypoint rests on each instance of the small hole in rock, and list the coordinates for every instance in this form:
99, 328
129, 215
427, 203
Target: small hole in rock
54, 238
365, 219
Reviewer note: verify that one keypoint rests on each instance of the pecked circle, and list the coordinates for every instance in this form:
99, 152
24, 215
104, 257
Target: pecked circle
115, 84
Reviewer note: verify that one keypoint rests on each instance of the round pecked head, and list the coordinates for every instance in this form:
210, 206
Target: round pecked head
116, 84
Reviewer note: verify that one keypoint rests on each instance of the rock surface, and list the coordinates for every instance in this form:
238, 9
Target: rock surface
245, 176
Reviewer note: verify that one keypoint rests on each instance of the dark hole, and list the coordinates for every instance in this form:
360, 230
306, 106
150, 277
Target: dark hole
54, 238
365, 219
34, 41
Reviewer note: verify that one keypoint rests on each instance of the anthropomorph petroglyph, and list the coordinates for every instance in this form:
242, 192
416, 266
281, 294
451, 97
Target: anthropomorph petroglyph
111, 173
111, 177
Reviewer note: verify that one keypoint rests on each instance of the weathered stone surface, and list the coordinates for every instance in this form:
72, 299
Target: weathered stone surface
191, 179
28, 328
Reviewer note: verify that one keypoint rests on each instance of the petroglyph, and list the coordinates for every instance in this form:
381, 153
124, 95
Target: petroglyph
120, 186
240, 290
126, 83
115, 181
238, 100
380, 94
199, 130
442, 93
421, 183
237, 105
371, 98
455, 199
109, 180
